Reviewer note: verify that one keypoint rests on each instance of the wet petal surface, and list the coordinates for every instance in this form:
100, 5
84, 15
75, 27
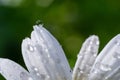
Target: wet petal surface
12, 71
107, 64
44, 56
86, 58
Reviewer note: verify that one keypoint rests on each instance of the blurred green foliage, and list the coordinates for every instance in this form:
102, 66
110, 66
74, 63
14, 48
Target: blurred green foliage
70, 21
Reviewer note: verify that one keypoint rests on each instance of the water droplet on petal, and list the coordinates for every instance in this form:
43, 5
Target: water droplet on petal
36, 69
97, 43
43, 76
46, 50
105, 67
95, 71
81, 72
94, 55
31, 48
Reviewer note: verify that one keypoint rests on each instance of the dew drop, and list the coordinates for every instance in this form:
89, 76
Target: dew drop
94, 55
36, 69
46, 50
81, 72
90, 42
105, 67
95, 72
97, 43
31, 48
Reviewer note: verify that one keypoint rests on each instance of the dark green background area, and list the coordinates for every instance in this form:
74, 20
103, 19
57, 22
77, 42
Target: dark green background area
70, 21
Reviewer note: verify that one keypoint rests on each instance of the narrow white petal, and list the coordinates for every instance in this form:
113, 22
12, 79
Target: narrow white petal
12, 71
33, 59
44, 56
107, 64
86, 58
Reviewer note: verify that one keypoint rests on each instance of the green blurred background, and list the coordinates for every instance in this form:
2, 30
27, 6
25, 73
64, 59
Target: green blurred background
70, 21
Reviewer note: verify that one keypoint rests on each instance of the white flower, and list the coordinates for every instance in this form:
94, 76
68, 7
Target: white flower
45, 60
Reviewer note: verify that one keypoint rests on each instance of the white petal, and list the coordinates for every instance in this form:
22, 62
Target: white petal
44, 56
12, 71
107, 64
86, 58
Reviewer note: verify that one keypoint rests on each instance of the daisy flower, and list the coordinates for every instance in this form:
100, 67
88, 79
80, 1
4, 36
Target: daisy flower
45, 60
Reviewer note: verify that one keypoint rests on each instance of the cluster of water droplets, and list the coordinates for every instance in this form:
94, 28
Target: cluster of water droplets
44, 56
32, 50
86, 58
107, 62
42, 76
105, 67
45, 60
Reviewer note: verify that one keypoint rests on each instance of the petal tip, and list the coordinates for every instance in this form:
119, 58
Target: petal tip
38, 27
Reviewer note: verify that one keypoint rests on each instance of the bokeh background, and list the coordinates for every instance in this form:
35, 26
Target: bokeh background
70, 21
